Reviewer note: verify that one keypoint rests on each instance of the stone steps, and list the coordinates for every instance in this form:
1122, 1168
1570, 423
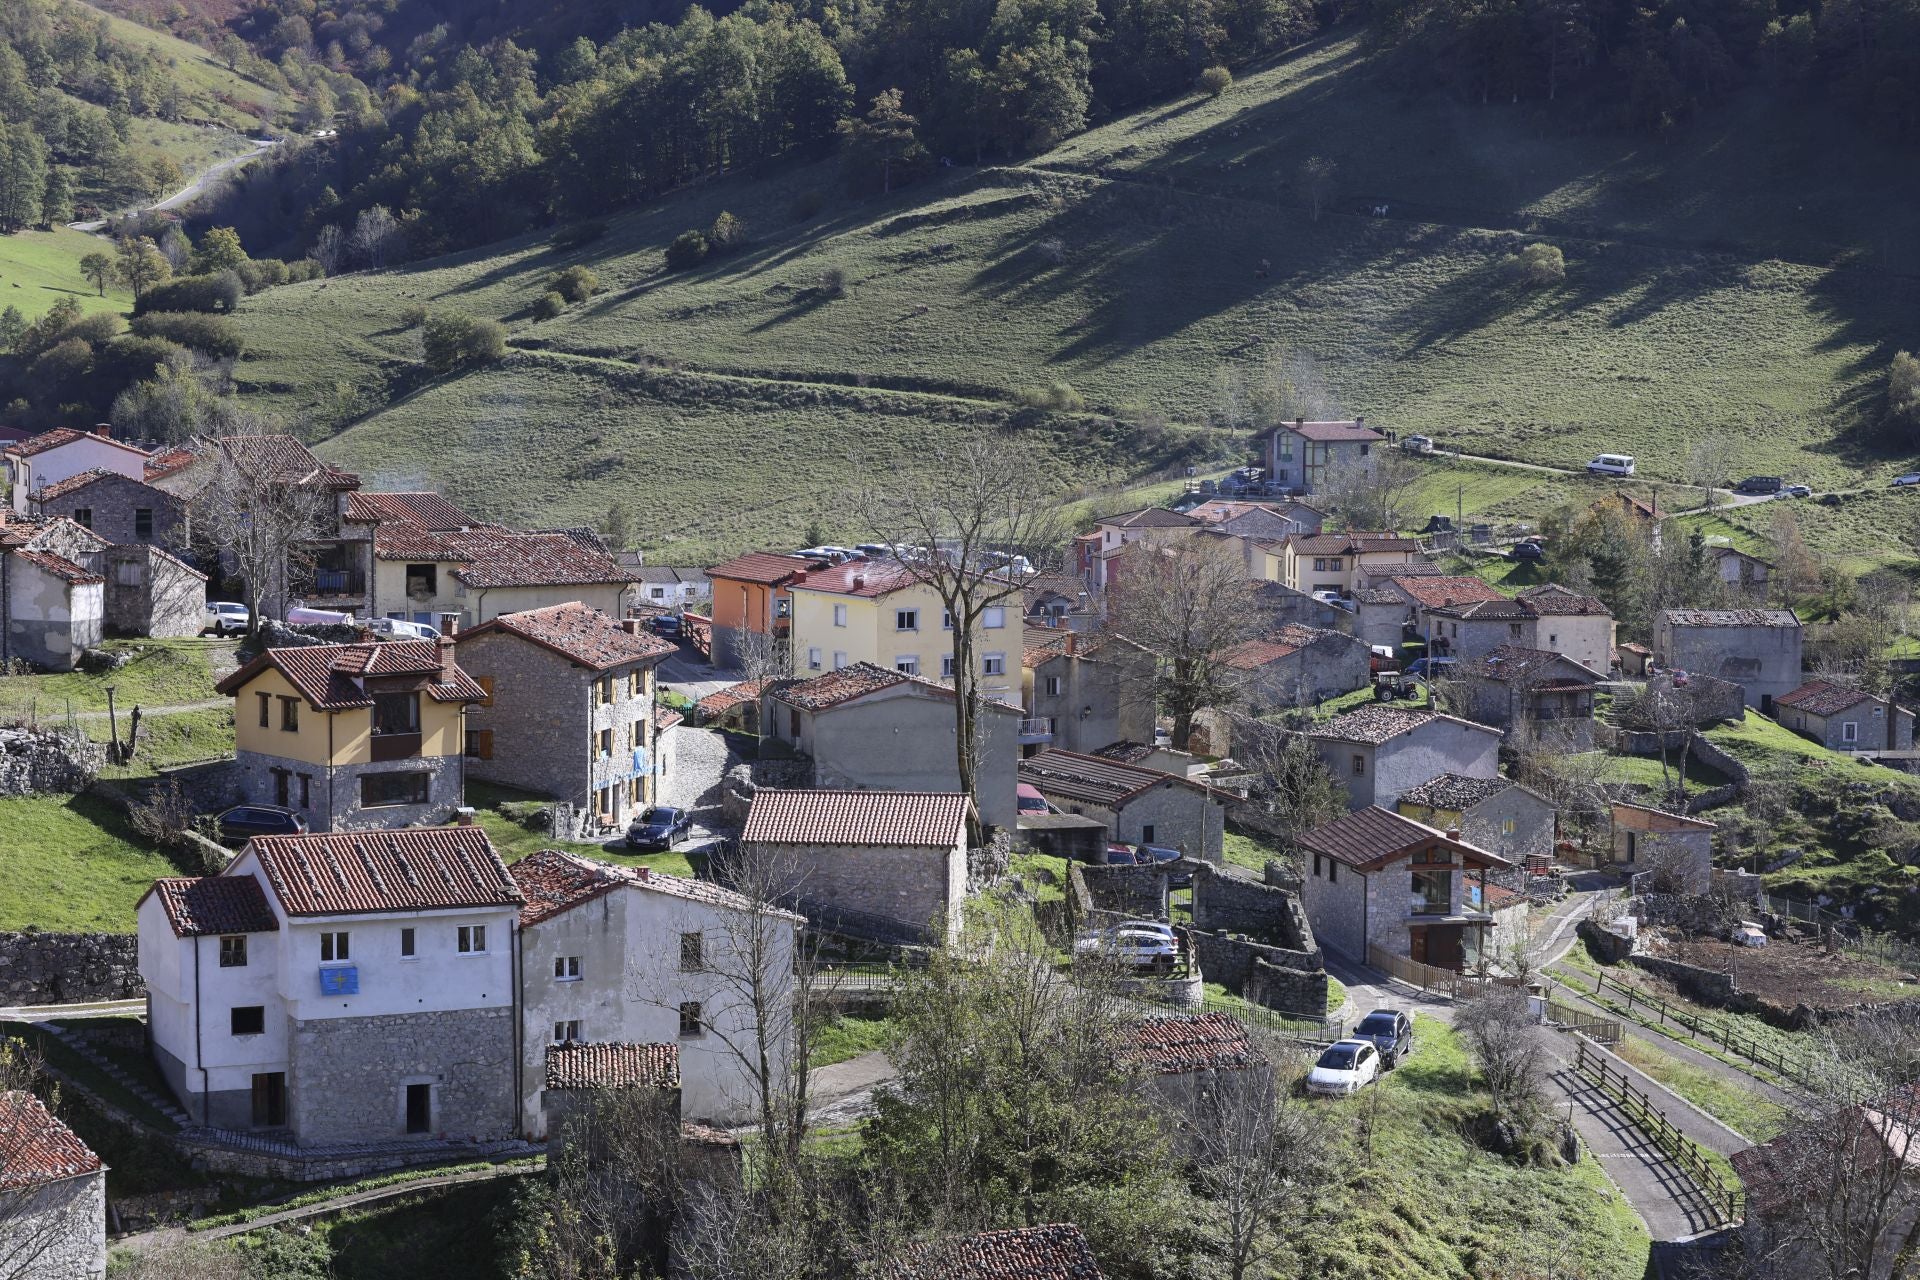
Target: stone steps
77, 1041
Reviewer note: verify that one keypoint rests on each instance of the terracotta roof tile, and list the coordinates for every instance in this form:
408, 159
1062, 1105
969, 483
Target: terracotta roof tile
555, 881
721, 701
1369, 837
1350, 544
1822, 698
61, 488
200, 905
426, 509
1332, 432
868, 579
765, 567
1518, 662
67, 571
1103, 782
330, 676
1057, 1252
1149, 518
168, 461
851, 682
1290, 639
1189, 1042
1374, 724
918, 819
613, 1066
497, 557
419, 869
665, 718
278, 458
1442, 592
35, 1147
579, 633
47, 441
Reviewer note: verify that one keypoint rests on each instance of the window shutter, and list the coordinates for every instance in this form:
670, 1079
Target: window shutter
486, 685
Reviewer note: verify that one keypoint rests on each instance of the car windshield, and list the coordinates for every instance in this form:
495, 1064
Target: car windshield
1377, 1024
1339, 1058
658, 816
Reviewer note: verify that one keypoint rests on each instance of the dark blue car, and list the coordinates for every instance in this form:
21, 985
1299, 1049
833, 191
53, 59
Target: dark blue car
658, 828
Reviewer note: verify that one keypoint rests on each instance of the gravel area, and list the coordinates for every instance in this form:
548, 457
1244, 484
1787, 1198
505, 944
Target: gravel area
701, 759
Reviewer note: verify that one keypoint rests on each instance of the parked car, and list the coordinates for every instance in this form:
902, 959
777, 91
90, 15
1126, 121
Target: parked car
1611, 464
401, 629
1345, 1067
245, 821
1907, 481
1760, 484
1417, 444
1335, 599
1528, 550
1027, 799
666, 625
1135, 946
225, 617
1177, 877
301, 617
1797, 491
1388, 1030
1432, 668
659, 827
1125, 855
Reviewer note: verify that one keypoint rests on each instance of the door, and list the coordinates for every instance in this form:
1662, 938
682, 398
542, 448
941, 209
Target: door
270, 1100
1417, 945
419, 1108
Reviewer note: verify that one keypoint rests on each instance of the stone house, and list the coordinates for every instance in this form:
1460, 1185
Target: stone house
1082, 693
1548, 617
1188, 1058
1757, 649
866, 728
347, 988
1378, 879
52, 593
568, 708
1139, 805
1296, 666
152, 592
1342, 562
1794, 1187
1379, 619
750, 597
1415, 594
574, 1074
54, 1190
41, 461
1259, 521
1052, 601
1672, 844
1496, 813
1304, 455
1741, 573
1844, 719
354, 736
887, 865
1105, 550
1279, 604
1381, 752
624, 955
120, 508
403, 513
482, 572
1057, 1252
1533, 694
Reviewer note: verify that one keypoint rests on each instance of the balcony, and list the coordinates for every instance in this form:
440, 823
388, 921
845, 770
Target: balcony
1035, 731
330, 583
395, 746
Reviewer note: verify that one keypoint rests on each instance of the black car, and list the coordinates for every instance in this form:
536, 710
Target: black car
245, 821
1390, 1031
1760, 484
658, 828
1529, 551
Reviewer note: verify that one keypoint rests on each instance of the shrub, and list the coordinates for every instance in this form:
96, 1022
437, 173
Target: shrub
1053, 250
579, 233
131, 358
220, 291
807, 205
261, 273
727, 233
209, 334
548, 305
101, 326
451, 339
1059, 396
688, 249
833, 282
575, 284
413, 315
1541, 264
1903, 389
305, 269
1215, 81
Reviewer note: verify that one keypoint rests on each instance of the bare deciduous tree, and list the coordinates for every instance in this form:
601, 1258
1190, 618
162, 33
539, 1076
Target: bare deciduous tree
1292, 791
376, 234
1372, 492
1506, 1046
329, 248
764, 659
1317, 179
1186, 603
1709, 460
260, 522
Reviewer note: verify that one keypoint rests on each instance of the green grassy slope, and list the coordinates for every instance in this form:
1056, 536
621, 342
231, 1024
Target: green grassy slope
1141, 259
38, 268
220, 96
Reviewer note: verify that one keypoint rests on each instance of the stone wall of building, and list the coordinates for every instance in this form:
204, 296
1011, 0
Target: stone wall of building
1288, 990
335, 791
35, 760
112, 503
1271, 976
1263, 911
68, 968
70, 1216
1136, 892
885, 892
347, 1078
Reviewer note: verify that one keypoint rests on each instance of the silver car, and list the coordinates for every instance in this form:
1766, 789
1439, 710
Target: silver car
226, 617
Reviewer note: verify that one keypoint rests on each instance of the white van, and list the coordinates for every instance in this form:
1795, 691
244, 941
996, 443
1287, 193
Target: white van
401, 629
1611, 464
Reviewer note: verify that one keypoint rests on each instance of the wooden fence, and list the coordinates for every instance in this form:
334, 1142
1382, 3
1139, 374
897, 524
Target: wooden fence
1711, 1031
1727, 1201
1604, 1031
1460, 986
1851, 935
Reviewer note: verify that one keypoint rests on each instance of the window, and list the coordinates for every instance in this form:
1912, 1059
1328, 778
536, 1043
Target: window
381, 789
1850, 731
566, 1032
636, 684
1320, 564
839, 615
906, 664
638, 734
333, 948
143, 523
1316, 864
813, 659
946, 666
906, 619
1333, 872
83, 516
566, 968
1513, 630
690, 1026
793, 723
289, 715
233, 952
1359, 766
1146, 834
606, 690
692, 958
1432, 893
839, 659
994, 664
1335, 563
472, 939
993, 618
1553, 641
248, 1020
946, 620
657, 593
423, 579
396, 713
606, 743
406, 944
479, 744
266, 709
1053, 686
1506, 826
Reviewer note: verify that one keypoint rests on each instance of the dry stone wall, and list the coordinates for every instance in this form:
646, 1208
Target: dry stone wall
68, 968
34, 760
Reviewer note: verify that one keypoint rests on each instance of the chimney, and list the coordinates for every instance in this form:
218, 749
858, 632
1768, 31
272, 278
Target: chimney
1299, 422
1359, 421
859, 581
449, 624
630, 625
1453, 833
1073, 639
103, 429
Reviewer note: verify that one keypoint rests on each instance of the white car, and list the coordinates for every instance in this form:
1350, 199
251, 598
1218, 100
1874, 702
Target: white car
224, 617
1345, 1067
1139, 946
304, 617
1417, 444
401, 629
1611, 464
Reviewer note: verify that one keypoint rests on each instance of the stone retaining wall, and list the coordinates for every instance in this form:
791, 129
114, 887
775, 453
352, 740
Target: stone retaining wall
1136, 892
39, 760
1274, 977
1263, 910
68, 968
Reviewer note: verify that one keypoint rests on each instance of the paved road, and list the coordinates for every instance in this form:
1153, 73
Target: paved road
686, 672
200, 183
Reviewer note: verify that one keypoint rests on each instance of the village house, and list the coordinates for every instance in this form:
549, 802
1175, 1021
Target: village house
405, 512
1812, 1191
1757, 649
1101, 551
623, 955
670, 587
1415, 594
877, 611
53, 1196
1052, 600
482, 572
1642, 515
354, 736
1376, 879
38, 462
340, 989
52, 591
1277, 604
1295, 666
1672, 845
1339, 562
1055, 1252
120, 508
575, 1075
1304, 455
750, 597
1191, 1060
1844, 719
1494, 813
1740, 572
1533, 694
1082, 693
1265, 521
890, 866
1381, 752
152, 592
1548, 617
1139, 805
567, 709
866, 728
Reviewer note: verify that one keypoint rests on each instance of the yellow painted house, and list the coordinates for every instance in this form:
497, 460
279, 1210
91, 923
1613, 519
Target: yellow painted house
877, 611
354, 736
1337, 561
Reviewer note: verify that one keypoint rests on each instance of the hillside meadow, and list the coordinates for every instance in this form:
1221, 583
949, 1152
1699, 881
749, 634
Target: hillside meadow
38, 268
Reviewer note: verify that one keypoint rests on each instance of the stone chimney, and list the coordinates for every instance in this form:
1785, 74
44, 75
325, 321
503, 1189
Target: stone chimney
103, 429
449, 627
449, 624
1453, 833
1073, 639
1299, 422
630, 625
859, 581
1359, 421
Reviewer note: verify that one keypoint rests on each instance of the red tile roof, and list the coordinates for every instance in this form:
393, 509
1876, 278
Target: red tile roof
1499, 897
419, 869
1290, 639
35, 1147
1731, 618
424, 508
1189, 1042
405, 540
578, 633
1332, 432
61, 488
60, 567
721, 701
331, 676
1822, 698
1149, 518
47, 441
201, 905
1443, 592
1372, 725
1057, 1252
919, 819
1455, 791
278, 458
765, 567
555, 881
1367, 838
1518, 662
613, 1066
665, 718
1350, 544
851, 682
1090, 778
498, 557
868, 579
168, 461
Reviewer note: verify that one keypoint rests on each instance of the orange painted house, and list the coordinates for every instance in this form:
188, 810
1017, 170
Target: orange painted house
750, 596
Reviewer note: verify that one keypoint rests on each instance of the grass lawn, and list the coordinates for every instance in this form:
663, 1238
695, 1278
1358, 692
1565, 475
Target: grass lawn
1244, 849
38, 268
1336, 995
173, 738
515, 841
1045, 875
1759, 742
848, 1037
1741, 1109
62, 1058
162, 673
72, 864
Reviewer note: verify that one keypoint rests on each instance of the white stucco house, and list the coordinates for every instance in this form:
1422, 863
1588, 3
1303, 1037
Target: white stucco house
63, 453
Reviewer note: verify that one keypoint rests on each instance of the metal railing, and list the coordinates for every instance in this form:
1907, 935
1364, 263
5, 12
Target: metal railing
1036, 728
1319, 1029
1698, 1026
1727, 1201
